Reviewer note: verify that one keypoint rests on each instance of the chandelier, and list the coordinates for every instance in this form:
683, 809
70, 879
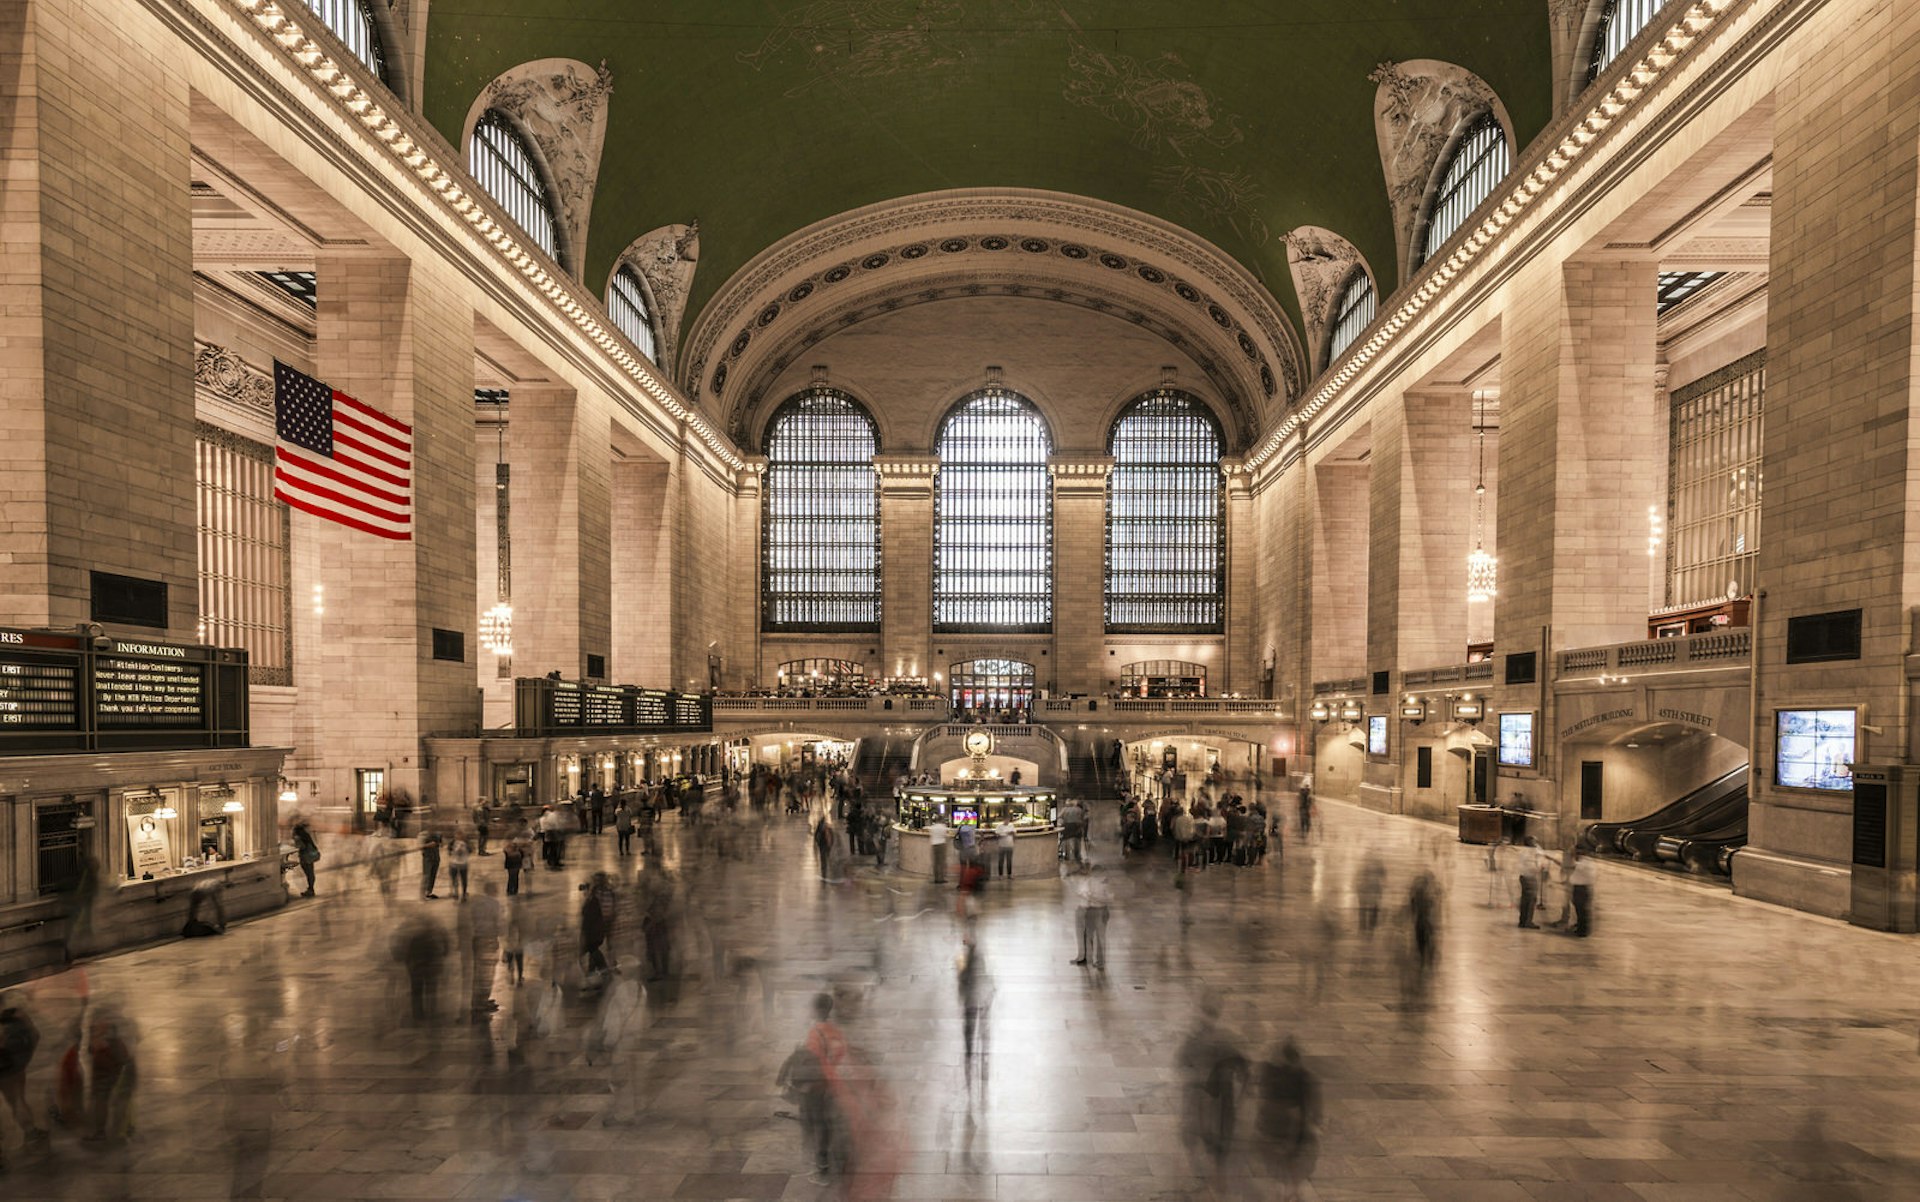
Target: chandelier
1483, 570
496, 625
496, 629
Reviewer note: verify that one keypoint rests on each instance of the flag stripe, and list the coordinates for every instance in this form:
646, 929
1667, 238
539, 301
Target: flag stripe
375, 414
371, 431
343, 440
291, 481
334, 515
361, 467
288, 459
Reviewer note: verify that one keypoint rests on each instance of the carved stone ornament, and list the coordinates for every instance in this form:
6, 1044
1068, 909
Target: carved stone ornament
232, 379
560, 103
1418, 109
666, 258
1567, 24
1321, 262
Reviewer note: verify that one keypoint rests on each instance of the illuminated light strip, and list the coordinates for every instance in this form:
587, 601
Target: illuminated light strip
364, 108
1692, 25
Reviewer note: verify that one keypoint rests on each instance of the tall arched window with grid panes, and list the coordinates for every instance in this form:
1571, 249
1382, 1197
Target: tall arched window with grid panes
993, 517
820, 543
503, 164
632, 316
1353, 311
352, 22
1479, 162
1166, 537
1620, 22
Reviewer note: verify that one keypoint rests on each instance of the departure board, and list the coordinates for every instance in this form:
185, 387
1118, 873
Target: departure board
149, 693
543, 704
605, 706
39, 692
690, 709
566, 705
650, 707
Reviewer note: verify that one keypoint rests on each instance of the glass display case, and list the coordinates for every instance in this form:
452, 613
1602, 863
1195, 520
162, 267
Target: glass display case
1027, 808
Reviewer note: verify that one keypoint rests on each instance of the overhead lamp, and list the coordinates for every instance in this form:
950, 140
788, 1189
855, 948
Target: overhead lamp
1467, 708
1320, 712
1351, 712
1414, 710
232, 805
1482, 568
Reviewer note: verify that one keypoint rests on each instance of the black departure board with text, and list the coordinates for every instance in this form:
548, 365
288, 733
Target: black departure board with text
70, 692
544, 706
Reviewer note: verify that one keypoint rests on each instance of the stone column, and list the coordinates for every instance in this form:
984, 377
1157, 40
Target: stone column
743, 650
1079, 573
561, 453
1421, 511
1240, 658
1337, 561
906, 563
641, 564
1841, 527
96, 315
398, 337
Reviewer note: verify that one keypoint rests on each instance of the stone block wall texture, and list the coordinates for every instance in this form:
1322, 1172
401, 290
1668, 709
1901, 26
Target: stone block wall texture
642, 565
1338, 522
1079, 585
1841, 478
1581, 443
906, 569
560, 448
1243, 657
704, 549
397, 336
96, 313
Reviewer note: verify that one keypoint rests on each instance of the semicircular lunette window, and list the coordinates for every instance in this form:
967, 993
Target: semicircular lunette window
1166, 551
1479, 162
627, 305
502, 163
820, 542
1352, 313
352, 22
993, 517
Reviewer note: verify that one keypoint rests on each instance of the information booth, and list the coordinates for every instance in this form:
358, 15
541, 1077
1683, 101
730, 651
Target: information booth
979, 801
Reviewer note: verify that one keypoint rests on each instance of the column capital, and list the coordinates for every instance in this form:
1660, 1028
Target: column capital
1239, 478
906, 475
1086, 474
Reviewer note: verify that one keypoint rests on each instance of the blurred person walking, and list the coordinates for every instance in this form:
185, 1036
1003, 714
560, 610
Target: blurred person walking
429, 862
1580, 881
623, 826
1094, 910
480, 922
1368, 886
976, 997
482, 824
514, 859
459, 857
420, 947
1289, 1119
1003, 836
1212, 1071
809, 1078
19, 1039
1529, 864
306, 851
937, 848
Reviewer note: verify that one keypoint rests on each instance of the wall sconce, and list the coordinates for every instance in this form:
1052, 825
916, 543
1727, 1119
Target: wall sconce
1414, 710
1320, 712
232, 805
1351, 712
1468, 709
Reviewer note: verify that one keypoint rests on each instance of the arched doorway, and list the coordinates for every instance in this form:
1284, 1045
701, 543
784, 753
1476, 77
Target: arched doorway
989, 690
1163, 678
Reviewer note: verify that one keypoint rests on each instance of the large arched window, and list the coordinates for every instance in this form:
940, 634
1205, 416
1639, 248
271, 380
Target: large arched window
821, 539
1166, 553
627, 305
993, 517
502, 163
1620, 22
1351, 312
352, 22
1478, 163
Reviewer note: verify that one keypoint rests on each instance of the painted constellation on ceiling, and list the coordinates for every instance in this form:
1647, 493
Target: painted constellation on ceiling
842, 40
1165, 109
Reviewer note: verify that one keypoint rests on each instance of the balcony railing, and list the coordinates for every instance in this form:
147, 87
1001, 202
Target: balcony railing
932, 708
1720, 649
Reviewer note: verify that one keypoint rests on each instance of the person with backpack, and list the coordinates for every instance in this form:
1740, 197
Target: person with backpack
809, 1078
19, 1038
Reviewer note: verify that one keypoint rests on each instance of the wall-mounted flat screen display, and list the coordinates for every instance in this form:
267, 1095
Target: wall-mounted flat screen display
1813, 748
1516, 740
1376, 734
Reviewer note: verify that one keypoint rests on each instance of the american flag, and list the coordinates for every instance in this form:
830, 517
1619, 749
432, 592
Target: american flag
339, 459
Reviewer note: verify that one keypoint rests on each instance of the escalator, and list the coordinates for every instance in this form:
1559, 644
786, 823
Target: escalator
1698, 832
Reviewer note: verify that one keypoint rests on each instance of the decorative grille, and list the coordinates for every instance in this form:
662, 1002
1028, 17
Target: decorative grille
1714, 478
627, 305
502, 164
821, 544
1476, 168
993, 517
1166, 538
244, 598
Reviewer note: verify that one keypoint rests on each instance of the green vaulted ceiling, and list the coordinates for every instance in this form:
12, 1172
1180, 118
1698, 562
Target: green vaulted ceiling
1237, 119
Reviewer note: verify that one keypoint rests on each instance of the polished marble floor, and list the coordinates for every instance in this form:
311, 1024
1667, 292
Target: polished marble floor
1696, 1047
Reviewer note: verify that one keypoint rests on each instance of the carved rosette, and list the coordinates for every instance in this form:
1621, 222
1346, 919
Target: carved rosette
1321, 262
232, 379
561, 104
666, 259
1419, 108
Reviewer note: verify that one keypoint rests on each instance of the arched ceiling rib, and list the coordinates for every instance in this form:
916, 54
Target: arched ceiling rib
1236, 119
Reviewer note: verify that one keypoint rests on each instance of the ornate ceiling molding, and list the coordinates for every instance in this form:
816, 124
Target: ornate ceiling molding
665, 259
1321, 262
561, 104
1003, 242
1419, 110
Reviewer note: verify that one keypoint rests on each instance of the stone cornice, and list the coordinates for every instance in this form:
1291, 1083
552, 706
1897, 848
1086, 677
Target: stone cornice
1414, 313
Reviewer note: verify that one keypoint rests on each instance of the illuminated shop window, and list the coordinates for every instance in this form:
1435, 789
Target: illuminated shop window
993, 517
1166, 552
821, 544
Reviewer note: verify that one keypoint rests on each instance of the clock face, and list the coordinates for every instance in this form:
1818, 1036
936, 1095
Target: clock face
979, 743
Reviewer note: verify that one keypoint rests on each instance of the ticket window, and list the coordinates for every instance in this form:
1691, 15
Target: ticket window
225, 825
513, 784
63, 835
157, 833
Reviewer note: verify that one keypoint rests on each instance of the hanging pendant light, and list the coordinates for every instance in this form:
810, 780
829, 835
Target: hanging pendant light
496, 625
1482, 568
